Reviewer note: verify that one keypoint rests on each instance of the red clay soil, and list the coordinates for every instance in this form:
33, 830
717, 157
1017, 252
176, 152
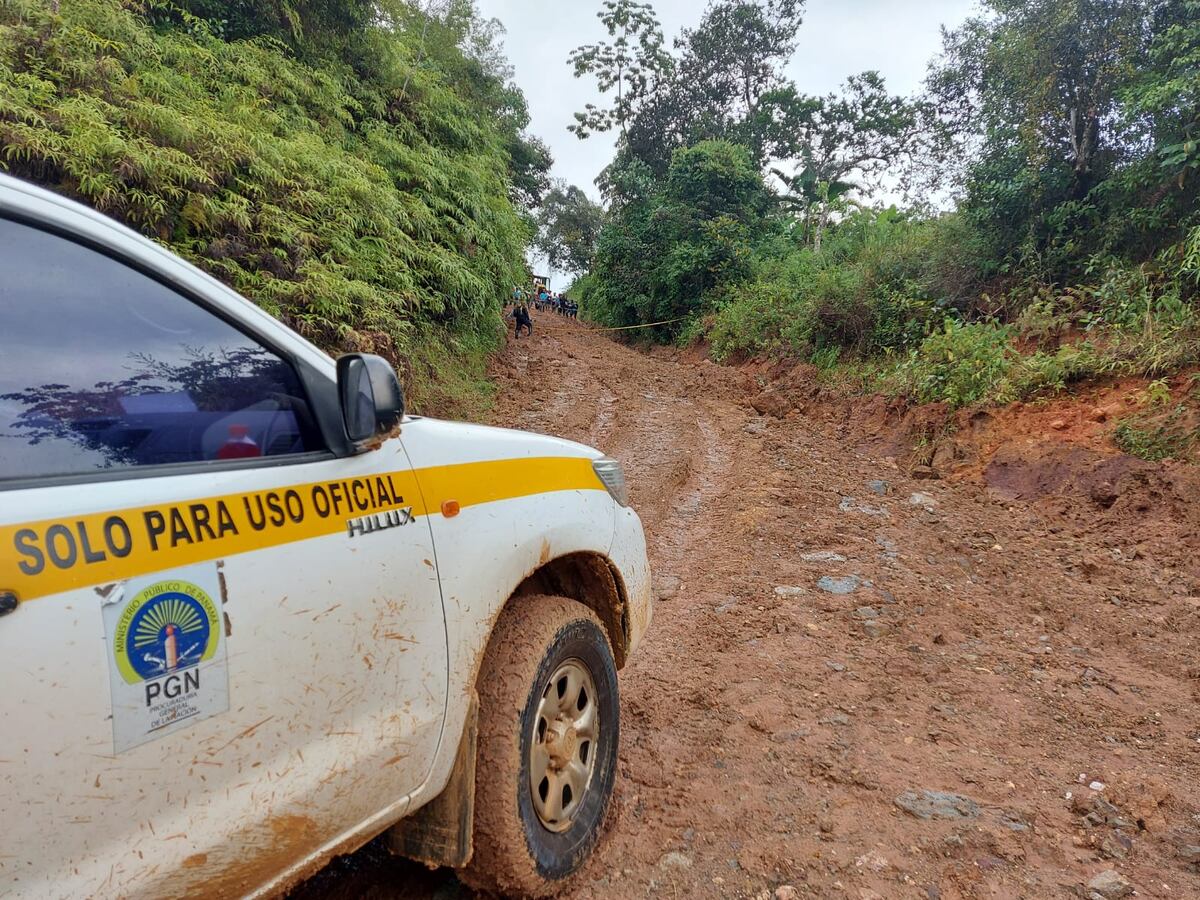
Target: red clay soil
860, 684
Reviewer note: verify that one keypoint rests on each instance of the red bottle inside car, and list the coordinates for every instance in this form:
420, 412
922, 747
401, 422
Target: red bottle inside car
239, 445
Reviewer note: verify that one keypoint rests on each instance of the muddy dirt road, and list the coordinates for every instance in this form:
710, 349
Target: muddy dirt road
858, 684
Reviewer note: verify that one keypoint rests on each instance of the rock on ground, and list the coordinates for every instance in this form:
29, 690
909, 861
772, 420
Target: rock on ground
1109, 885
937, 805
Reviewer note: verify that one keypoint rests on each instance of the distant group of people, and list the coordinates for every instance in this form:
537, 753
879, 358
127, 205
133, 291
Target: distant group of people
556, 303
543, 299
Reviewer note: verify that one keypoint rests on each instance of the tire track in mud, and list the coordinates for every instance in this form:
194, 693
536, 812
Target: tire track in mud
960, 645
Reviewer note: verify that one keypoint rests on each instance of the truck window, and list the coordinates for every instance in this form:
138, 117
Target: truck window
103, 368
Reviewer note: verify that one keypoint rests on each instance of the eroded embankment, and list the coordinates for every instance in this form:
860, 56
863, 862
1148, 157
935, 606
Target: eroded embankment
1062, 448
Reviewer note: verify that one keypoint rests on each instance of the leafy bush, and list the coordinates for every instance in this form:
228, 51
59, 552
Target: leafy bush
875, 289
754, 320
870, 289
1174, 436
826, 358
1048, 372
1124, 297
674, 246
959, 364
1042, 320
1157, 393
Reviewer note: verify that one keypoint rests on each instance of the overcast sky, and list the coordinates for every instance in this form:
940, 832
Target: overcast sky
838, 38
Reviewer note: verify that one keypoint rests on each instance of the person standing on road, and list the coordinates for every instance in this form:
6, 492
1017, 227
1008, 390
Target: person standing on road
523, 320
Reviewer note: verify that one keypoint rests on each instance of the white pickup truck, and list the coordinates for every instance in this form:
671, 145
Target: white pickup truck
253, 615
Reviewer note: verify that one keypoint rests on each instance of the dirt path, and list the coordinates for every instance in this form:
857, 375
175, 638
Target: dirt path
835, 640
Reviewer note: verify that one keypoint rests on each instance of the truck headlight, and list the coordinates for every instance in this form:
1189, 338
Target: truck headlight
609, 471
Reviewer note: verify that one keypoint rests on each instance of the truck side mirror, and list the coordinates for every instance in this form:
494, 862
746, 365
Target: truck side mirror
372, 401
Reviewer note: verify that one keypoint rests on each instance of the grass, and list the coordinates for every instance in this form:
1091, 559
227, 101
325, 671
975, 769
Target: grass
1157, 441
448, 375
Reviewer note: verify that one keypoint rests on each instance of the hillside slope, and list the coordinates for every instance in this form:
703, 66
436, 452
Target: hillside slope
362, 192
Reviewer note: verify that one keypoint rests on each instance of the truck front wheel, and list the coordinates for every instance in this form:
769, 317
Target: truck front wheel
548, 734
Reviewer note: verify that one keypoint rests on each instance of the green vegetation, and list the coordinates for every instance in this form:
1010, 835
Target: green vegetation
684, 236
1170, 438
360, 169
569, 224
356, 168
1066, 133
1162, 429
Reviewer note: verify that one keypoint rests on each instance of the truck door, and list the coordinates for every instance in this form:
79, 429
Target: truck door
230, 647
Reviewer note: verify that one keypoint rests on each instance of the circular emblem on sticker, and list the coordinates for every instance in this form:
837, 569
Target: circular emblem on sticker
168, 626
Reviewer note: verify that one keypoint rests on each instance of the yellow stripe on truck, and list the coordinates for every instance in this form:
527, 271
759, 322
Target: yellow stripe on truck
38, 559
506, 479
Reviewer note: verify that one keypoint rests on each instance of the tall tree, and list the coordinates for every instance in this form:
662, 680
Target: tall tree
569, 224
736, 53
632, 63
724, 85
1031, 92
676, 241
1162, 106
1048, 72
842, 142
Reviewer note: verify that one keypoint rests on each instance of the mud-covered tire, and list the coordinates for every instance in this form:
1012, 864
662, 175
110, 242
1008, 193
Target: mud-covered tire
515, 854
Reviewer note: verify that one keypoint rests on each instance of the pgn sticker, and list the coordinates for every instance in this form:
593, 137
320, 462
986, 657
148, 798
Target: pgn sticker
166, 652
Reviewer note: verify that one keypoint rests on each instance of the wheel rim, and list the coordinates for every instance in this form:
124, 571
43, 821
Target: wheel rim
562, 747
